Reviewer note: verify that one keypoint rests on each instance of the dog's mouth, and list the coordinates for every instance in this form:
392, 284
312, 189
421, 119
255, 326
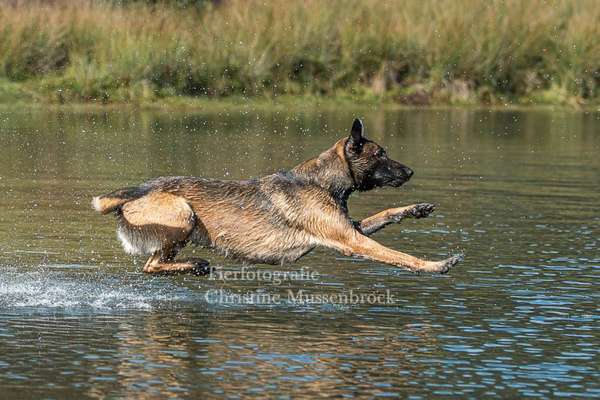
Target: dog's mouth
401, 178
397, 182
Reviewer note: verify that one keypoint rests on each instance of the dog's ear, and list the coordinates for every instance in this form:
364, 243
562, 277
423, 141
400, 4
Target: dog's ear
356, 134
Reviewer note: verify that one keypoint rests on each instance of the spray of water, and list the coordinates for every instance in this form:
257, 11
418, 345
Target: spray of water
58, 287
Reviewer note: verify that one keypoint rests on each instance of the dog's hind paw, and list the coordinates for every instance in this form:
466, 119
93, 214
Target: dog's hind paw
202, 269
199, 266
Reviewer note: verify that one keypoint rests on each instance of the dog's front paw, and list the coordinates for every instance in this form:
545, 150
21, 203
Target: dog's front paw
437, 267
450, 262
421, 210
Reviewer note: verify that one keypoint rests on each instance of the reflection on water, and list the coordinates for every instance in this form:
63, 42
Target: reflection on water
516, 191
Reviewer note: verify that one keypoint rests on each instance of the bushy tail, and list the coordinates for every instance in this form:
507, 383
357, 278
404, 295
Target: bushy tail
111, 201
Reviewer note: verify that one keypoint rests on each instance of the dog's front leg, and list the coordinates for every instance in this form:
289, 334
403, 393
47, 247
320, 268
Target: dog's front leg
359, 245
372, 224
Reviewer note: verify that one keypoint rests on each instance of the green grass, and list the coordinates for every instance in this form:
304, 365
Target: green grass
408, 52
11, 92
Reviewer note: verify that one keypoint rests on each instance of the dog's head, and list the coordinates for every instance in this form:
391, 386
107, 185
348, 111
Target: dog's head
369, 164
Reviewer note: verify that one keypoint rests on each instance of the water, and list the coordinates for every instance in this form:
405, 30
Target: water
517, 192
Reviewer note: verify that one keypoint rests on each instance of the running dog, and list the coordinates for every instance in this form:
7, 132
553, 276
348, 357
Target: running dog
274, 219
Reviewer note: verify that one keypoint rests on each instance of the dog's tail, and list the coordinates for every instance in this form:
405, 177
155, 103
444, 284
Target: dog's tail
113, 200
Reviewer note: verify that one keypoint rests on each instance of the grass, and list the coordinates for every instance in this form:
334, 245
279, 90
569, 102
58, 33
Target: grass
415, 52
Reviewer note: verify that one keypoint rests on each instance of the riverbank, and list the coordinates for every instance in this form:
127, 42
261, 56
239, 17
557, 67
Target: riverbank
408, 53
278, 104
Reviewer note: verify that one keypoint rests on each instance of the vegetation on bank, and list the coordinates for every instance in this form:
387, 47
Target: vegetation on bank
414, 52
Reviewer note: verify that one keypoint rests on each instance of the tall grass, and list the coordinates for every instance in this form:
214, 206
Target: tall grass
413, 51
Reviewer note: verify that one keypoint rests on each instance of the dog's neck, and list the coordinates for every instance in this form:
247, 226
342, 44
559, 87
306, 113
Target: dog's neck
330, 171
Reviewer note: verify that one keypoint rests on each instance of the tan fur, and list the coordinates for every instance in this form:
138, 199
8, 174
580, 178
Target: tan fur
106, 205
155, 222
375, 222
274, 219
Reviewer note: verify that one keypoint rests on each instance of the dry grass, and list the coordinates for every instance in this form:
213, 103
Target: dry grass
428, 50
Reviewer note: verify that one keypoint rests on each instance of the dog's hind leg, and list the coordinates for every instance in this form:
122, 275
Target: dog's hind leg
372, 224
159, 224
163, 262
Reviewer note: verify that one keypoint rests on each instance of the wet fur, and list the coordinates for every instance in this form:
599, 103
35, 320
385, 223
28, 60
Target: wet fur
274, 219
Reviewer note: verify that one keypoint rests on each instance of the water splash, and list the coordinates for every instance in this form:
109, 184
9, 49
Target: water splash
71, 288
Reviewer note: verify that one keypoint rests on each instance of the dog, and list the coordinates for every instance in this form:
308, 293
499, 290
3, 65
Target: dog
274, 219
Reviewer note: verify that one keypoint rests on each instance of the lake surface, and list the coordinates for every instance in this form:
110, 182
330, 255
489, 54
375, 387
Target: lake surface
517, 191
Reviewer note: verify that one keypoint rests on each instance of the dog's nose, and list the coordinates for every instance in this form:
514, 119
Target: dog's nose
409, 172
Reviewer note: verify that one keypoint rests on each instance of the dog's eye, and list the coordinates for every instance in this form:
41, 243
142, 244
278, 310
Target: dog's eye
380, 153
